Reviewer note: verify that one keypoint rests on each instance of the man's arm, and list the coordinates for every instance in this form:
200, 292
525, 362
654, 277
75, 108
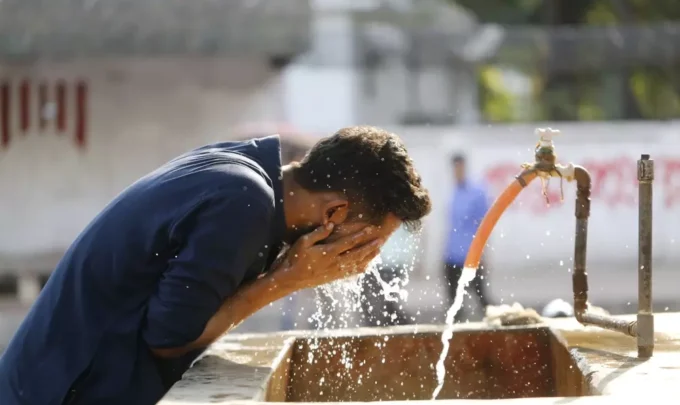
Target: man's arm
223, 239
235, 309
306, 265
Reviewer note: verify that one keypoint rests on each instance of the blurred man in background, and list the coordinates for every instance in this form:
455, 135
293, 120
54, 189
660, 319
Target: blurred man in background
381, 304
466, 211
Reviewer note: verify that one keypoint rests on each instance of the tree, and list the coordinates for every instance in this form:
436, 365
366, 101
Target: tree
623, 92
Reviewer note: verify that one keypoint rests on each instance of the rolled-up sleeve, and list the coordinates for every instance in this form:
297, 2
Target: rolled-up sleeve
224, 239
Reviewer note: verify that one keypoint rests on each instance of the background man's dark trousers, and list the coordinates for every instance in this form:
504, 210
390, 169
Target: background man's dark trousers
377, 310
478, 287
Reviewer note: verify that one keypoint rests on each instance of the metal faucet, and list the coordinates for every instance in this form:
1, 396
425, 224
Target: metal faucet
545, 167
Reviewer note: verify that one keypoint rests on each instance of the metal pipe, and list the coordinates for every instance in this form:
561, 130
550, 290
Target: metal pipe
645, 317
545, 167
582, 212
608, 322
580, 274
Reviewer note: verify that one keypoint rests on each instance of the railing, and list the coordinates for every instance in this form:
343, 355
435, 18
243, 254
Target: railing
65, 28
555, 48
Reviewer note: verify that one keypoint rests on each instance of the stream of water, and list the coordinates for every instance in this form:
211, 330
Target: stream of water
466, 277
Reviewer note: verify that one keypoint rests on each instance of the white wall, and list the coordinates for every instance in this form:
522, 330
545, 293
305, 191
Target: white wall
141, 113
533, 236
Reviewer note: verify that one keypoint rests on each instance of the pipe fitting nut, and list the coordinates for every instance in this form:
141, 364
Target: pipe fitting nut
645, 169
582, 208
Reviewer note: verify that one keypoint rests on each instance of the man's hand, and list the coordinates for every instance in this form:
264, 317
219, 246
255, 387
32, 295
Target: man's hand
309, 264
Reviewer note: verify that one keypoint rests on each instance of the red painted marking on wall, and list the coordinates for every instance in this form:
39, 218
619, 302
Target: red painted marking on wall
670, 180
614, 180
614, 184
42, 103
81, 113
5, 122
24, 106
61, 106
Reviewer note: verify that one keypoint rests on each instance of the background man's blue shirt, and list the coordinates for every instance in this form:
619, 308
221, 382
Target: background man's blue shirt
468, 207
148, 271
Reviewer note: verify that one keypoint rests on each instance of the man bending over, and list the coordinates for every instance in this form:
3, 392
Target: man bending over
192, 249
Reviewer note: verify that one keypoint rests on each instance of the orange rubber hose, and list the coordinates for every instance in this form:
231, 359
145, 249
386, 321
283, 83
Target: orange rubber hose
492, 216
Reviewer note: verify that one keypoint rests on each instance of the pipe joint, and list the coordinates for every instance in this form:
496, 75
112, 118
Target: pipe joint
645, 169
582, 208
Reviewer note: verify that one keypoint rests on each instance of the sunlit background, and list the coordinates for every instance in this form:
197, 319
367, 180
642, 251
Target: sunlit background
94, 94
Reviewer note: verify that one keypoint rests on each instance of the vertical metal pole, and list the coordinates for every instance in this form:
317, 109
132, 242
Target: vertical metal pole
645, 317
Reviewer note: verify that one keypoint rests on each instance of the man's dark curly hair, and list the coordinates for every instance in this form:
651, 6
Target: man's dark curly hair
372, 168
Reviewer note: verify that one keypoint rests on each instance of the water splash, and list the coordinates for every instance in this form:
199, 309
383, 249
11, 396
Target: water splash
466, 277
339, 304
336, 303
392, 291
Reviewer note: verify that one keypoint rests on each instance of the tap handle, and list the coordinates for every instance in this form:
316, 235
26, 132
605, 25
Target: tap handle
546, 137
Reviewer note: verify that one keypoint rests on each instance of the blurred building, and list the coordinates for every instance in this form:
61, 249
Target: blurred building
431, 62
388, 62
94, 94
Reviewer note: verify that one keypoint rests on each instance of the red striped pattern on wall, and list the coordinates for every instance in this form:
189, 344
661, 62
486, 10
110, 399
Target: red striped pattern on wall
43, 107
5, 114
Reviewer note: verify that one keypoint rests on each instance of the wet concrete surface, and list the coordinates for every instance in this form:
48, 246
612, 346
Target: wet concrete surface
241, 368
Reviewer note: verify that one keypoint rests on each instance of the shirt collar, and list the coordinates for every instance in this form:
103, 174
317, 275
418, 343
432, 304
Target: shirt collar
271, 163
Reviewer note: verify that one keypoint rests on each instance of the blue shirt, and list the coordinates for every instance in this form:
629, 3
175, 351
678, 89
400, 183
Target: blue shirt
148, 271
468, 207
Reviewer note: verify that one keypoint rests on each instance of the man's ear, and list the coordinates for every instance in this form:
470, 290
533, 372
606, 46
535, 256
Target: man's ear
335, 211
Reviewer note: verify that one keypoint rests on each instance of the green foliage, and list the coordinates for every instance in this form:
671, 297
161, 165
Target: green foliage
502, 11
498, 104
657, 98
624, 93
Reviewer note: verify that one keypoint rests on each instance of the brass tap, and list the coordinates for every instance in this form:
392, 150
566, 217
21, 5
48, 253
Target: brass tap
545, 148
545, 164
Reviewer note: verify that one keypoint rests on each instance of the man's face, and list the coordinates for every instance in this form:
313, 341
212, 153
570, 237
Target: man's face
306, 212
384, 230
